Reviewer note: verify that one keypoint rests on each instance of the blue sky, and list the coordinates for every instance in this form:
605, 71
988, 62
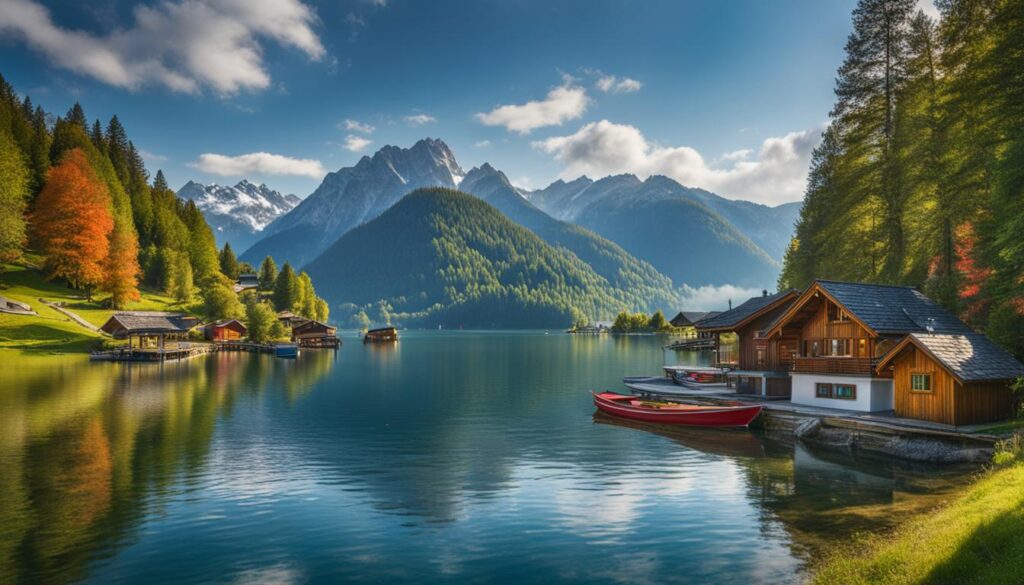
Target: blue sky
729, 96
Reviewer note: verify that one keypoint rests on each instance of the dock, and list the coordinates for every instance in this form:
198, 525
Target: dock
136, 354
692, 344
881, 432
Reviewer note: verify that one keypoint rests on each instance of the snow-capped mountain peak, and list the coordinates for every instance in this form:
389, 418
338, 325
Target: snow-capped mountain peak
237, 213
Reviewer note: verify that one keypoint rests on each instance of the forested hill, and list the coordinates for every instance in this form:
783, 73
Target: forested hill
919, 179
649, 289
442, 257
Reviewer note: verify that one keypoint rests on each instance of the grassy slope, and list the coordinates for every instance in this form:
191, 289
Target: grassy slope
51, 330
977, 538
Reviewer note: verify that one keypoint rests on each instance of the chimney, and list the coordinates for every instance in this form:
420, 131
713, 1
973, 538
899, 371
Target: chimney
730, 304
764, 292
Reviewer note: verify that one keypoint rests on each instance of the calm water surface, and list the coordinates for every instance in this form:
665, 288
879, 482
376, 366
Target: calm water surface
449, 457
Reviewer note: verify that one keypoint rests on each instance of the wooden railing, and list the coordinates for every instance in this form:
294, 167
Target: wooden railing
849, 366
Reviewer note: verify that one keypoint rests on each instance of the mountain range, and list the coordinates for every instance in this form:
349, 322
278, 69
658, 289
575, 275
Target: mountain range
642, 239
240, 213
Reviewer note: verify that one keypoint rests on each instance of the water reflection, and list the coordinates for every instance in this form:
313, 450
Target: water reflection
448, 456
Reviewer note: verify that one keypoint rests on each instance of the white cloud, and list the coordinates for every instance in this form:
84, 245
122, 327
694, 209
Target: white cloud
183, 45
151, 156
563, 103
613, 84
741, 154
419, 119
357, 126
715, 298
776, 174
482, 144
258, 163
356, 143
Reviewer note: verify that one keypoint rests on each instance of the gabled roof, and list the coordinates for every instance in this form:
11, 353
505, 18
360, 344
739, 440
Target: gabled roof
127, 323
225, 322
968, 357
747, 311
880, 308
307, 323
684, 318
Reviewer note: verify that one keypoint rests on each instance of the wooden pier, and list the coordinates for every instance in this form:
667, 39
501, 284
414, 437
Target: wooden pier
136, 354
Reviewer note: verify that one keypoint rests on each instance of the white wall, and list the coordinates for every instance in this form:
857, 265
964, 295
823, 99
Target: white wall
873, 394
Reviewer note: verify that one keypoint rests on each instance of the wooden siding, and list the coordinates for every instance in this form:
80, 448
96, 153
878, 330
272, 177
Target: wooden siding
775, 350
938, 405
981, 402
779, 387
836, 366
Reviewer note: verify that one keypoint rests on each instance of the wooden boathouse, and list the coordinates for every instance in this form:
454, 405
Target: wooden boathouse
382, 334
151, 335
313, 334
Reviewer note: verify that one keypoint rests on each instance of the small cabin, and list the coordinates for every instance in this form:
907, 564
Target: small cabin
955, 379
225, 330
381, 334
150, 330
290, 320
689, 319
247, 282
315, 334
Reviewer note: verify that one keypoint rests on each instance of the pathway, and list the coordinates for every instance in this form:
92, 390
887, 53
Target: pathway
73, 316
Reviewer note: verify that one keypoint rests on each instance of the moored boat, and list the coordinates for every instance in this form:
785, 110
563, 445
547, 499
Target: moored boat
635, 408
696, 376
383, 334
286, 350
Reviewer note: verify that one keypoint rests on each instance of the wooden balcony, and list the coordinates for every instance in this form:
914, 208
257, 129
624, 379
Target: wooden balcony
843, 366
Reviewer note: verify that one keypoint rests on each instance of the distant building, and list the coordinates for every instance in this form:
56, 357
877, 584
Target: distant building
225, 330
690, 318
155, 330
311, 333
381, 334
247, 282
290, 320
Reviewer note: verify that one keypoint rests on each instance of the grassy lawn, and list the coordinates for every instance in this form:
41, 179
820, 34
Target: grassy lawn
1003, 428
976, 538
51, 330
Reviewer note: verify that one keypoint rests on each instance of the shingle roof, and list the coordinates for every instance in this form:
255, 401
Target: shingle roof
142, 322
970, 356
893, 309
690, 317
741, 313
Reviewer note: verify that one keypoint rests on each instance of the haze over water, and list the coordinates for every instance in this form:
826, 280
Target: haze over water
449, 457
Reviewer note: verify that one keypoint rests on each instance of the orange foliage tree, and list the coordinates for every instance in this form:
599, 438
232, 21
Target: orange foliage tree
122, 268
71, 222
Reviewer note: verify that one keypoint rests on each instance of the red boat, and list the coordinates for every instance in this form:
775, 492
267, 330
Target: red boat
670, 413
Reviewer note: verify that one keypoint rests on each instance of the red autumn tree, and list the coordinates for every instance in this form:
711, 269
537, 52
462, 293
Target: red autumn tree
974, 274
71, 222
121, 280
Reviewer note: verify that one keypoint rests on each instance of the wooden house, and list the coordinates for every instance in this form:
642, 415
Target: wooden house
290, 320
757, 365
851, 339
689, 319
225, 330
247, 282
381, 334
311, 334
150, 330
956, 379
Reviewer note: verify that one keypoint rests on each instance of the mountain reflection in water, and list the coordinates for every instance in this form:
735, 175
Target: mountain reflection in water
447, 456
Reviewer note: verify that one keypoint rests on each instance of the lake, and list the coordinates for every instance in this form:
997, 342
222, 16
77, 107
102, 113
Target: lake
447, 457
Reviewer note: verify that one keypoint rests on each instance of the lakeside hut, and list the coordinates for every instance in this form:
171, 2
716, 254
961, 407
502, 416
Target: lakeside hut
381, 334
154, 333
225, 330
290, 320
311, 334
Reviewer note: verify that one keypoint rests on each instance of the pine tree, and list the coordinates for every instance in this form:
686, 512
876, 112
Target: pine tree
71, 222
97, 137
160, 182
180, 277
14, 191
76, 116
228, 262
268, 274
286, 289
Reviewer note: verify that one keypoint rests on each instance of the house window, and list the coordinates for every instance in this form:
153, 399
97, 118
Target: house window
837, 314
823, 390
815, 351
921, 382
839, 347
761, 357
844, 391
862, 348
